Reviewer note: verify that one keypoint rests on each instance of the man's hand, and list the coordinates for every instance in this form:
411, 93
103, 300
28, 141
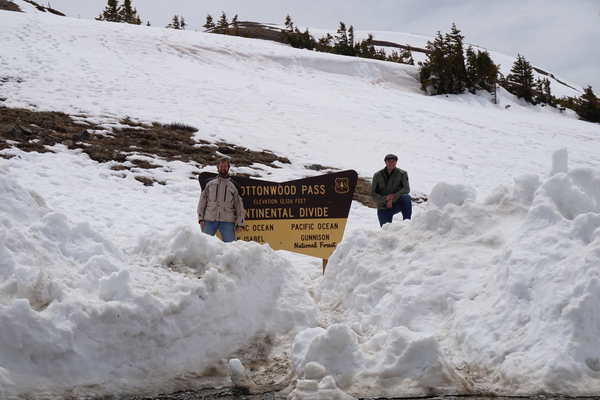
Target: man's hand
202, 223
389, 200
239, 229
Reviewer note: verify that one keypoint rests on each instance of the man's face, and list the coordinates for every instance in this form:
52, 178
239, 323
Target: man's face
390, 164
223, 168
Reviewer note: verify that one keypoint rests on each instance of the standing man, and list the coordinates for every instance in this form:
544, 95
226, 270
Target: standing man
391, 190
220, 206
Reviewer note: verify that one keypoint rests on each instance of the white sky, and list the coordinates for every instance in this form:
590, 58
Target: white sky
555, 35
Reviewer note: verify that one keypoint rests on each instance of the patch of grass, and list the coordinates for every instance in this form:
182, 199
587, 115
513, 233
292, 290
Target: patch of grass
148, 181
118, 167
315, 167
177, 126
144, 164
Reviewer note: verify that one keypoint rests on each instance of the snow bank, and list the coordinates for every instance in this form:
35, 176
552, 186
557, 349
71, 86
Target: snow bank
539, 310
500, 296
77, 316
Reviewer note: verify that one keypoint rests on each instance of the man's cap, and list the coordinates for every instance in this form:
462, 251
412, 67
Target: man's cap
391, 156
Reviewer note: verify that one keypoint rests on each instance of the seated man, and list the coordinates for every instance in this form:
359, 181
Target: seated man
390, 189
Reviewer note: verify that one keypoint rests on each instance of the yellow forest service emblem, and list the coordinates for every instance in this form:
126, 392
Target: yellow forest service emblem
342, 185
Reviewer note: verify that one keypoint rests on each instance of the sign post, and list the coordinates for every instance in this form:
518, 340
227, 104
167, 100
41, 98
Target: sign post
306, 216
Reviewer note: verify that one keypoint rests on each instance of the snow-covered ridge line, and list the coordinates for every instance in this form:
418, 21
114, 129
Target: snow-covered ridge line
377, 72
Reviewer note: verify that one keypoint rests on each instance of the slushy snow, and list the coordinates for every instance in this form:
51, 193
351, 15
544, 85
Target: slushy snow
108, 287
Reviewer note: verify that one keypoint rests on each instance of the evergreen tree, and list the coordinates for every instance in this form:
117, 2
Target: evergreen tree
395, 57
456, 74
287, 35
324, 44
433, 70
351, 41
115, 13
209, 25
520, 81
306, 40
565, 102
341, 45
295, 38
128, 14
174, 23
547, 91
587, 106
471, 68
404, 56
111, 12
543, 92
223, 24
288, 23
366, 48
177, 23
407, 55
481, 72
448, 70
380, 54
236, 25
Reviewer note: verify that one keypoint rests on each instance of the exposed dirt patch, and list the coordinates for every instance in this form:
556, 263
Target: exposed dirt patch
384, 43
9, 6
134, 145
256, 30
362, 193
129, 146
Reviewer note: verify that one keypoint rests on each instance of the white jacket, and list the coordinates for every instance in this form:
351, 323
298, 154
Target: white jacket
221, 201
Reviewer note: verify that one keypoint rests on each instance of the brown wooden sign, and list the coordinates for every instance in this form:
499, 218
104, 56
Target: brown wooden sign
306, 216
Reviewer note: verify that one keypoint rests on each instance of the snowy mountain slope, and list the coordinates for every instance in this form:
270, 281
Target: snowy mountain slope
257, 80
99, 289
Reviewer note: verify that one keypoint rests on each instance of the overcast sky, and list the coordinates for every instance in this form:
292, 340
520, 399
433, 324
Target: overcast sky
559, 36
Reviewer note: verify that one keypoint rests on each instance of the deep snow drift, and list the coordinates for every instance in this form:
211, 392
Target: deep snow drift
492, 287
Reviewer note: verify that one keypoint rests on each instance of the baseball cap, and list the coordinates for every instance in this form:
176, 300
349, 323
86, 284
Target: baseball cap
391, 156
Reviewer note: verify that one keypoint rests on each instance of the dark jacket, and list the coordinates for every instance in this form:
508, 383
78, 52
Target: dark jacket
384, 184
